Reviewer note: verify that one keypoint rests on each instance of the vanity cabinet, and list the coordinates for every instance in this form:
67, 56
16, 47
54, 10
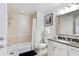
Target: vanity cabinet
57, 49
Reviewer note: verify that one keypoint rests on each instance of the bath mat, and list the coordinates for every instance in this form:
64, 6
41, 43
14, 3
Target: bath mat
29, 53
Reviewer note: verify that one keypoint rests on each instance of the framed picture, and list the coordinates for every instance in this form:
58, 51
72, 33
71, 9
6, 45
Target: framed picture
49, 19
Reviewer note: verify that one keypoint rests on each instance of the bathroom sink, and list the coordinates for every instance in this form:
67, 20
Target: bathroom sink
42, 45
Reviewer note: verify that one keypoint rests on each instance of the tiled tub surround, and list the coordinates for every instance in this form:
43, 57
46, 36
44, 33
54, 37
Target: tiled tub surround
63, 46
19, 27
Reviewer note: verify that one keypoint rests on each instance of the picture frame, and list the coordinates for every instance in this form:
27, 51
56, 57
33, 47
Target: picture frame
48, 20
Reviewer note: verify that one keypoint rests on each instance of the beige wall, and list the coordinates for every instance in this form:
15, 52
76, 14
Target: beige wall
19, 28
57, 24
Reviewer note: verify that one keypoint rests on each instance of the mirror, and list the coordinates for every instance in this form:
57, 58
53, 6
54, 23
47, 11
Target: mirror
68, 23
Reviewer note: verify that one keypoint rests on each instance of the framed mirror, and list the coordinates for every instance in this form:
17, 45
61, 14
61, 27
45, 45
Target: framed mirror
68, 23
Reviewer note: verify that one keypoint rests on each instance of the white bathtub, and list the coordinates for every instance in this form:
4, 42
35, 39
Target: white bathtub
15, 49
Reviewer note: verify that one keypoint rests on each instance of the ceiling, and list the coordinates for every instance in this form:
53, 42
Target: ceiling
32, 7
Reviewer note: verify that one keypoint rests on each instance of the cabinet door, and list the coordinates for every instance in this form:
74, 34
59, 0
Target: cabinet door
73, 51
61, 49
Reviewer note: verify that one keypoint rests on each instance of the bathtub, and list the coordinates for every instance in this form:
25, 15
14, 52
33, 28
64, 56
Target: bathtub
16, 49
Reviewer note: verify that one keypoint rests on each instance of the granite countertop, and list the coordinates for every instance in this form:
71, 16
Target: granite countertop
66, 42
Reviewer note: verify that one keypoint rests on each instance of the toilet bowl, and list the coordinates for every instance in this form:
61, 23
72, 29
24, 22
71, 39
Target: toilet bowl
42, 49
42, 45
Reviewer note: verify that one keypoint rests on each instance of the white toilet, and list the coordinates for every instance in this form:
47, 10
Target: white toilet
42, 46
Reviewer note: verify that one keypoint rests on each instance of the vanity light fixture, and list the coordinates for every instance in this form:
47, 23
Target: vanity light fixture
69, 8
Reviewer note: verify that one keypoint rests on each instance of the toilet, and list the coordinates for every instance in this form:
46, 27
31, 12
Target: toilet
42, 46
